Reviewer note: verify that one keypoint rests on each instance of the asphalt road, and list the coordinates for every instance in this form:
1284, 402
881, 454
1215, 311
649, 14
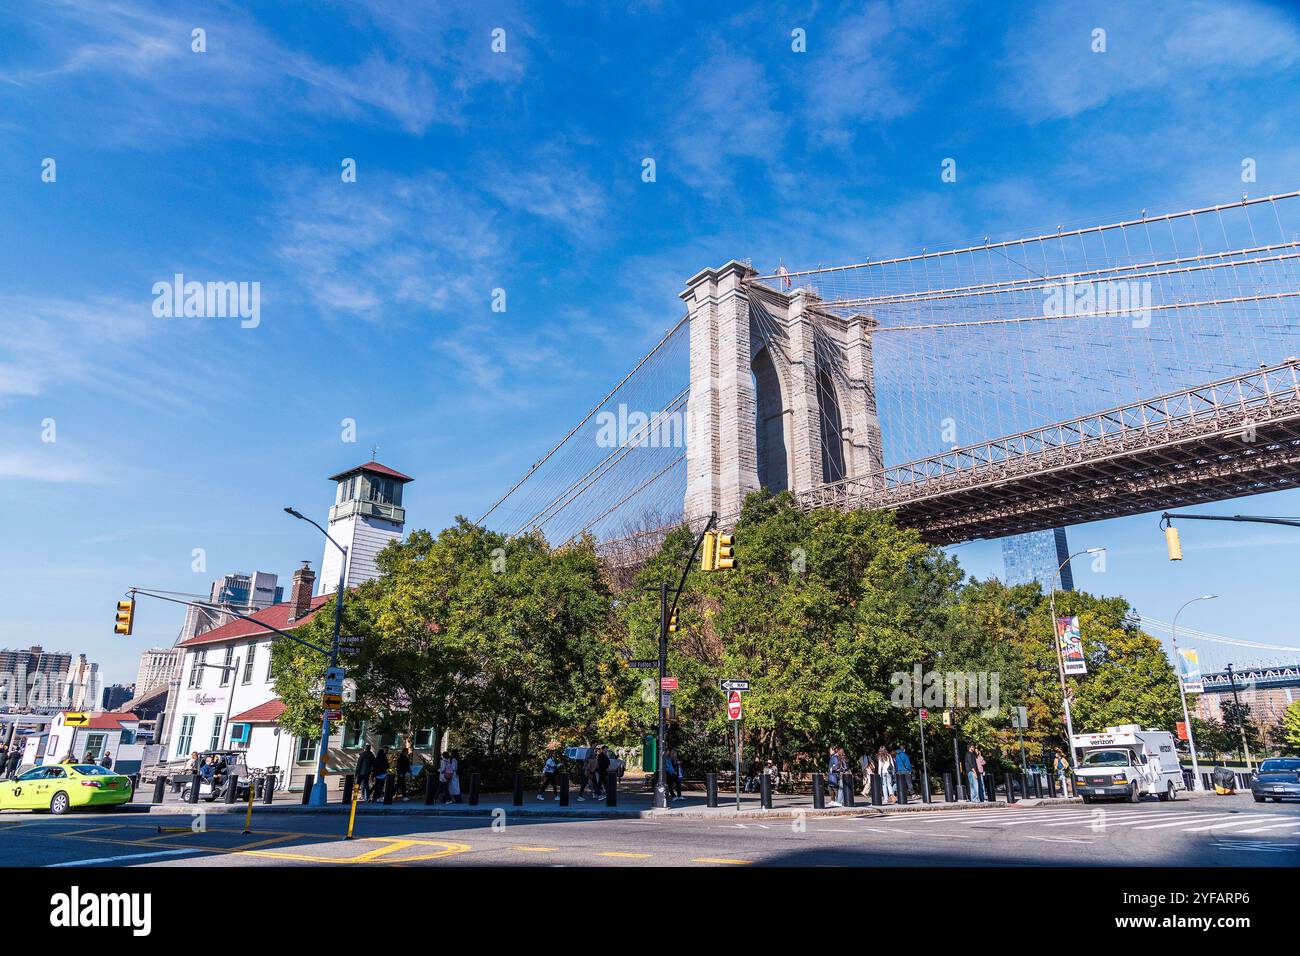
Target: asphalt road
1208, 831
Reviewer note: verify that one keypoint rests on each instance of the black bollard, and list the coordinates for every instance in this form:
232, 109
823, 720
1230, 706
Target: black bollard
473, 789
903, 789
268, 788
135, 782
1051, 785
308, 782
159, 789
710, 789
990, 788
765, 791
819, 792
949, 792
390, 783
1038, 786
877, 790
925, 789
349, 781
1011, 789
430, 787
194, 788
232, 787
564, 788
850, 789
518, 798
611, 788
177, 783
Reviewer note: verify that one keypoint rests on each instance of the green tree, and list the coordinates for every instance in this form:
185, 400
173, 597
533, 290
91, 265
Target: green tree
1291, 728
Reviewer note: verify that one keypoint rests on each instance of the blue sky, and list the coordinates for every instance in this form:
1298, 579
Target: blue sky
522, 170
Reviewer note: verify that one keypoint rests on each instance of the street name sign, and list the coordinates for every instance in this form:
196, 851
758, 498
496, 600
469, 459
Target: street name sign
642, 664
733, 684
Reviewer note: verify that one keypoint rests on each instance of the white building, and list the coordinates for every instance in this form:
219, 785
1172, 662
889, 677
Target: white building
367, 515
159, 666
82, 688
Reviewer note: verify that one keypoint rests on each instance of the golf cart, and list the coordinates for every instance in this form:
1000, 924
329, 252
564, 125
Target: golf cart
214, 787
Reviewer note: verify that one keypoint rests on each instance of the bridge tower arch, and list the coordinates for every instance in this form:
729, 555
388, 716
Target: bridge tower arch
782, 391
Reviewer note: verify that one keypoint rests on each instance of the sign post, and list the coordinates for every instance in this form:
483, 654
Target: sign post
1021, 720
921, 714
733, 689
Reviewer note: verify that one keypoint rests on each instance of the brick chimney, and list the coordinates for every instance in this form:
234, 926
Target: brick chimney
304, 580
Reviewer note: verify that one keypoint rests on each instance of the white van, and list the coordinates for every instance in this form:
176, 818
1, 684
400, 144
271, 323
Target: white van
1125, 762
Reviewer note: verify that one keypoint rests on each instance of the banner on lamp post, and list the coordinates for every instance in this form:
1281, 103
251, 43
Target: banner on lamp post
1189, 664
1071, 643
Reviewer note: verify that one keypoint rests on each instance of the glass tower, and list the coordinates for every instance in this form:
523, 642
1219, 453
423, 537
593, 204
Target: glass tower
1035, 557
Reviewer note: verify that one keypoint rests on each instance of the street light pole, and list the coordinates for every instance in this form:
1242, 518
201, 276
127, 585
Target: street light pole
1060, 661
319, 790
1182, 692
1241, 723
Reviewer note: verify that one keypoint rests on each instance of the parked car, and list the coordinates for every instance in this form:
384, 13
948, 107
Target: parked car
1277, 779
61, 787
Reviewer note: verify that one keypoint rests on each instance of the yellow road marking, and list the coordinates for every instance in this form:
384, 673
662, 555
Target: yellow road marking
718, 859
628, 856
535, 849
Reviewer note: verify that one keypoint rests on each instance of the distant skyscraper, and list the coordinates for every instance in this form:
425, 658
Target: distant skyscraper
244, 593
33, 678
1035, 557
115, 695
159, 666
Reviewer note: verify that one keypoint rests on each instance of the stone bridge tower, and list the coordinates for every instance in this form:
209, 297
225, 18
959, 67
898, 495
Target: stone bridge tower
782, 392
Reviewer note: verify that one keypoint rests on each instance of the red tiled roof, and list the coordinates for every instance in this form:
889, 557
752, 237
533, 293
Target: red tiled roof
375, 467
103, 721
277, 615
261, 714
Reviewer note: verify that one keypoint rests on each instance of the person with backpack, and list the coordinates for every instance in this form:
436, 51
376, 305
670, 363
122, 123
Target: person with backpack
550, 777
403, 771
365, 767
1061, 768
903, 767
381, 775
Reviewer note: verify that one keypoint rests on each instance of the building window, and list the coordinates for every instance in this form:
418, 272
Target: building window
354, 736
424, 738
186, 736
381, 490
216, 733
306, 750
196, 669
268, 667
229, 664
248, 664
94, 745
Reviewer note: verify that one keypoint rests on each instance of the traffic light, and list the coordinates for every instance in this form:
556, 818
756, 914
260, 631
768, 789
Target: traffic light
1172, 543
672, 623
125, 618
724, 556
708, 560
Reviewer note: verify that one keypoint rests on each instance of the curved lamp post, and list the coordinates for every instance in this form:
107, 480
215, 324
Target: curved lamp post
1060, 662
1182, 693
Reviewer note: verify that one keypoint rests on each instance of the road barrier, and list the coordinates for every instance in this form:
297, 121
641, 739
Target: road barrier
248, 814
564, 789
711, 789
1011, 788
390, 784
473, 789
519, 789
430, 787
877, 790
949, 791
352, 812
1051, 786
611, 788
1038, 786
819, 791
349, 784
232, 787
194, 788
990, 788
159, 789
765, 791
308, 782
268, 788
849, 786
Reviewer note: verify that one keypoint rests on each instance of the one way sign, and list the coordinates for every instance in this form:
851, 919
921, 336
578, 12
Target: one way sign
732, 684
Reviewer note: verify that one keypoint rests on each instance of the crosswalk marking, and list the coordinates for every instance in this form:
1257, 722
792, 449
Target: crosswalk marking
1108, 821
1179, 823
1230, 823
1274, 826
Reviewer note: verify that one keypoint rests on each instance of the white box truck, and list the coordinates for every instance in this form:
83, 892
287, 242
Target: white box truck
1125, 762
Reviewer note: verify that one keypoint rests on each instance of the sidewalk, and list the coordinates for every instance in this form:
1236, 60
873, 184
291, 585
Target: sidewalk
631, 804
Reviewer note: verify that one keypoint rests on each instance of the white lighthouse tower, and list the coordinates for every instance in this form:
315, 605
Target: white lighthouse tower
366, 515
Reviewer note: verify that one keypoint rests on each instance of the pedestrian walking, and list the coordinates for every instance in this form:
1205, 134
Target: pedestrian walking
1061, 768
903, 767
680, 778
868, 771
365, 768
972, 774
15, 758
380, 774
979, 769
834, 771
453, 775
550, 777
403, 772
602, 770
885, 770
588, 774
107, 761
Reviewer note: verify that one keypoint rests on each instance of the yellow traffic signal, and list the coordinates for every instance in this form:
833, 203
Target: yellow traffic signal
672, 623
724, 557
708, 560
1172, 543
125, 618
